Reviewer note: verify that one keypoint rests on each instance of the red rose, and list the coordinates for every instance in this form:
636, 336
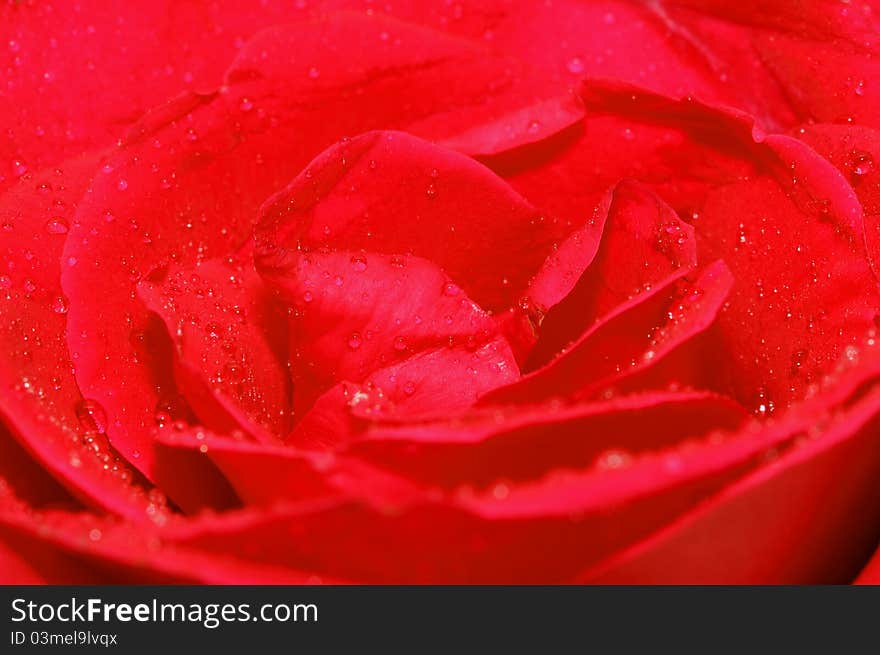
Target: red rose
510, 292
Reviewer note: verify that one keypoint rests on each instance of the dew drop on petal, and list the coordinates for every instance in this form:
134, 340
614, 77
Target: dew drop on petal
359, 263
451, 289
861, 162
91, 416
60, 305
57, 225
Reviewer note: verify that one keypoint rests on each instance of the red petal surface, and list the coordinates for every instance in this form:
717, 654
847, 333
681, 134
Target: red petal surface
787, 224
522, 442
186, 184
502, 535
430, 382
400, 285
230, 344
636, 336
82, 548
388, 192
871, 573
355, 313
40, 401
855, 151
797, 520
644, 244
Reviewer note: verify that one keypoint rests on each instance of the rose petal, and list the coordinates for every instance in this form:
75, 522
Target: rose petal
500, 536
871, 573
521, 442
224, 327
40, 402
497, 537
636, 336
855, 151
186, 183
429, 382
81, 548
356, 313
27, 561
798, 520
27, 478
789, 62
389, 192
644, 244
270, 475
82, 74
787, 224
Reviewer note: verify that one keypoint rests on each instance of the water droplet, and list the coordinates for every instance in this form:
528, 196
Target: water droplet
5, 282
451, 289
95, 534
308, 297
613, 459
57, 225
532, 312
400, 344
314, 73
122, 185
500, 491
246, 104
92, 416
355, 341
575, 66
359, 263
861, 162
59, 305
